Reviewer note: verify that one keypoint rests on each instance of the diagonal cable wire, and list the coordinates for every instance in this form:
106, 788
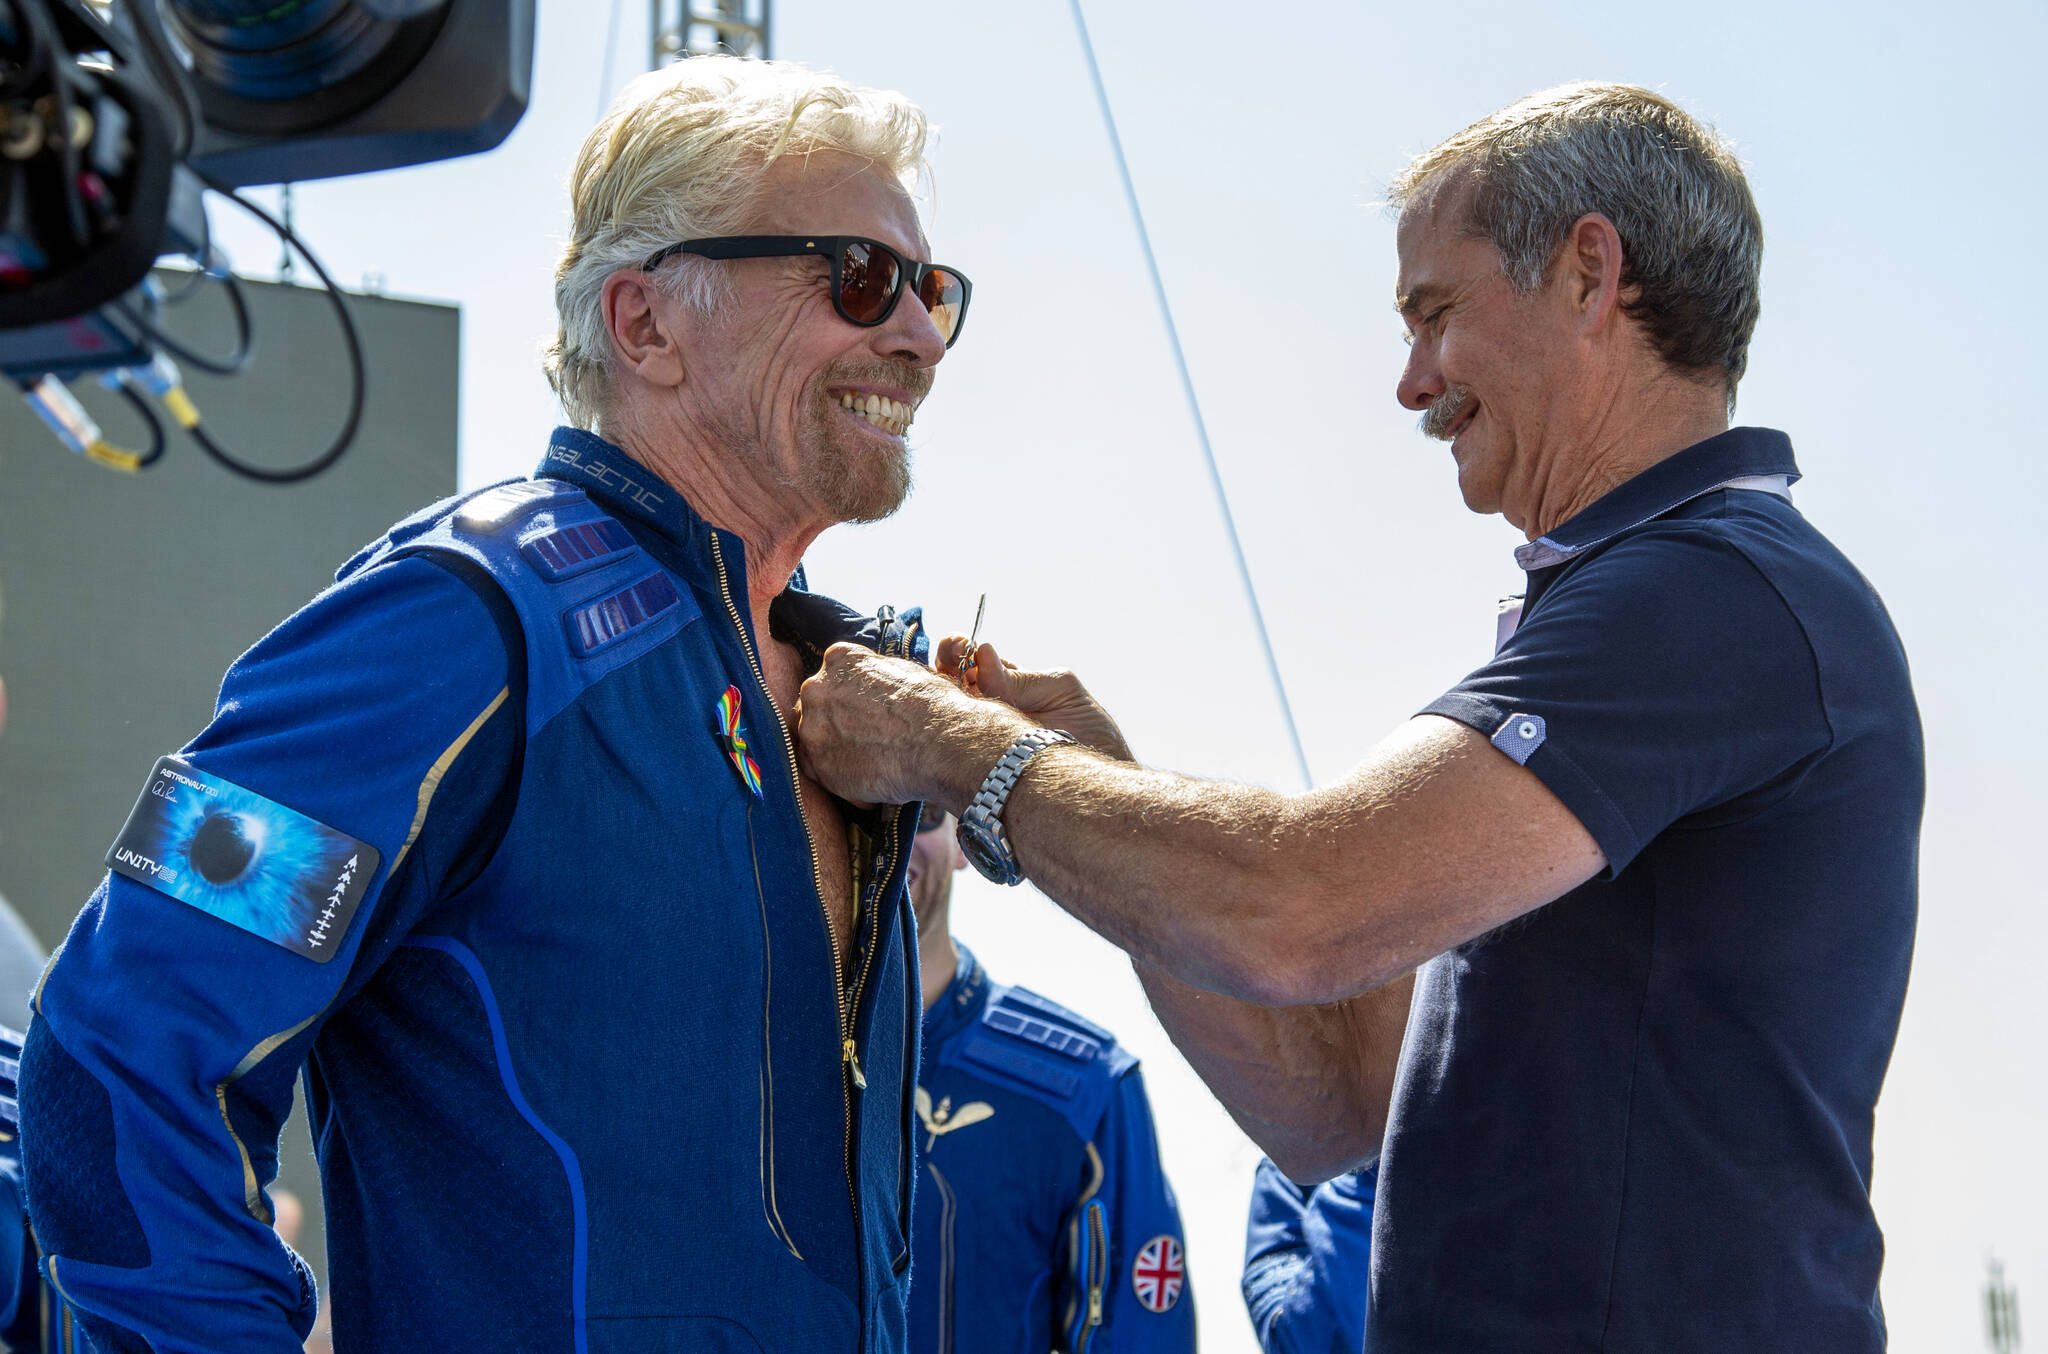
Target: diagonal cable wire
611, 46
1187, 386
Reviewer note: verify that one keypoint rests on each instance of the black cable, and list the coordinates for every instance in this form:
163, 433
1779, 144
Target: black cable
170, 72
357, 381
202, 264
51, 43
35, 55
156, 425
245, 340
186, 287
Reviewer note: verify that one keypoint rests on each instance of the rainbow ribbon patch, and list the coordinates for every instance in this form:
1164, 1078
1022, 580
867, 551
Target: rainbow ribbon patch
734, 734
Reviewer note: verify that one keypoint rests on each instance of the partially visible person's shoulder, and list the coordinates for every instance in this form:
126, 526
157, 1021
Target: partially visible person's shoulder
1035, 1046
1772, 535
22, 957
1734, 546
1841, 613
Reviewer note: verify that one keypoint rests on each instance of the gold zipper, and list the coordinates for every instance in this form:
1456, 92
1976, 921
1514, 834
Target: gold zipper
1098, 1263
849, 1050
1101, 1262
1098, 1254
848, 1054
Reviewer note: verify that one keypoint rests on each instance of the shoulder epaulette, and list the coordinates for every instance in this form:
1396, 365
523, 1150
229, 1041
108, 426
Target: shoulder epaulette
588, 597
1041, 1048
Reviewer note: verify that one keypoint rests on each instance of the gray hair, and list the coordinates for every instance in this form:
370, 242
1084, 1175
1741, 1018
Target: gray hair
683, 154
1692, 242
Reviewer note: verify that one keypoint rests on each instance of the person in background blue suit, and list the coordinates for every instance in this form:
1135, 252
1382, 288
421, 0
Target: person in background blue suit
23, 1311
1307, 1261
1043, 1219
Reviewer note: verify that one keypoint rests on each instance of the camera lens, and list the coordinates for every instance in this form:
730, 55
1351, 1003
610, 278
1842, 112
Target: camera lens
308, 62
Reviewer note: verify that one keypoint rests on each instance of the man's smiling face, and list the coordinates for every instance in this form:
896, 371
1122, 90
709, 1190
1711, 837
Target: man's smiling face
1486, 364
787, 382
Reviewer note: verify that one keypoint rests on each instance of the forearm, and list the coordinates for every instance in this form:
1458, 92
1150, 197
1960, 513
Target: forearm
1230, 888
1280, 900
1310, 1085
135, 1177
1162, 866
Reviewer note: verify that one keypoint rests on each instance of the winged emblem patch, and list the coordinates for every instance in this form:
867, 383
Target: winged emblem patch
943, 1120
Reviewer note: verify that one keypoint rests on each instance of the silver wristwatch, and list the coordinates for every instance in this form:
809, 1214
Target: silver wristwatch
981, 823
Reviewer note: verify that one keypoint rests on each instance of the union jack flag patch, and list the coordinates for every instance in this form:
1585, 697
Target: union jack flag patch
1159, 1273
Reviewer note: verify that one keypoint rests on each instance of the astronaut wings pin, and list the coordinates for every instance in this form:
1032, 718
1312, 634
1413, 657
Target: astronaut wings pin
943, 1120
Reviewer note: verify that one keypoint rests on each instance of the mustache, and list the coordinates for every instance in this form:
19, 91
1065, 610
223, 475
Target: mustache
1445, 410
903, 376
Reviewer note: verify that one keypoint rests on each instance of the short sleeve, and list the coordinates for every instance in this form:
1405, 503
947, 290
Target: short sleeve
1661, 678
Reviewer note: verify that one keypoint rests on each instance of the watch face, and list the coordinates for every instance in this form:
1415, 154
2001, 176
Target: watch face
982, 842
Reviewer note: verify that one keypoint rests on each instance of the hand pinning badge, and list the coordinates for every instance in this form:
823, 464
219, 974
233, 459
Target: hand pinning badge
973, 638
733, 733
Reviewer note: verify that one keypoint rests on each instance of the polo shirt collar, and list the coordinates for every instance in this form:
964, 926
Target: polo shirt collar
1741, 458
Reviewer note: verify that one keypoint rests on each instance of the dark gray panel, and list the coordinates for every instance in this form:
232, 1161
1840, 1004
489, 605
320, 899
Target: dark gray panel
126, 596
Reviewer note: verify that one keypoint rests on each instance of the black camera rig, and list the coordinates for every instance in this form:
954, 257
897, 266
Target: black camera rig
115, 119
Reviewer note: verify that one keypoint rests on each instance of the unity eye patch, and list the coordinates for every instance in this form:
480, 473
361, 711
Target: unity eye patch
251, 862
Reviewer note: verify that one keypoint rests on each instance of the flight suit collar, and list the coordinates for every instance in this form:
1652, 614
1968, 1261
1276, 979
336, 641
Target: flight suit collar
960, 1005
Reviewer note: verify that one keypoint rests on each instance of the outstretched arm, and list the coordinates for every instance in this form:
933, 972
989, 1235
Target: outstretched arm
1276, 901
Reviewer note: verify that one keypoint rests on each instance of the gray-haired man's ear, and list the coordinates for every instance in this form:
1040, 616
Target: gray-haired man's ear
642, 324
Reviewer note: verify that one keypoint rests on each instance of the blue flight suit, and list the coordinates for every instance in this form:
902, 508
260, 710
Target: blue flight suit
582, 1072
29, 1321
1043, 1218
1308, 1261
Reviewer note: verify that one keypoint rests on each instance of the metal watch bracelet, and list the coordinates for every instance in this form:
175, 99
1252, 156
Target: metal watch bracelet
981, 833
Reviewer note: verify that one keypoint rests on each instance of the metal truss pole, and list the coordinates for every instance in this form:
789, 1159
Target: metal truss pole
686, 28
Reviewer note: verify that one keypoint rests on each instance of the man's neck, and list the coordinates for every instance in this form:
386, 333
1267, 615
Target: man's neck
1629, 433
938, 959
731, 492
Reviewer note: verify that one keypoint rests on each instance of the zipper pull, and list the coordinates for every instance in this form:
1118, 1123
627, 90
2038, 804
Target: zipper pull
1095, 1305
888, 634
851, 1057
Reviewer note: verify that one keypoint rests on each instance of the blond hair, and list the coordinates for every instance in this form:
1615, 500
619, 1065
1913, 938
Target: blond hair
1692, 242
683, 154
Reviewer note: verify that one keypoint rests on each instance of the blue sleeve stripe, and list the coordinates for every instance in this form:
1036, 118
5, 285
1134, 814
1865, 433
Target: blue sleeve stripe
464, 956
432, 780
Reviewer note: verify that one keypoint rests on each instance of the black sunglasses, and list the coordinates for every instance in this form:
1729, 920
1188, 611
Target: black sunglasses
868, 277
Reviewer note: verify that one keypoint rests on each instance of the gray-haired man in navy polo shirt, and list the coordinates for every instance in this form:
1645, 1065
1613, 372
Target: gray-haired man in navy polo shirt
1649, 874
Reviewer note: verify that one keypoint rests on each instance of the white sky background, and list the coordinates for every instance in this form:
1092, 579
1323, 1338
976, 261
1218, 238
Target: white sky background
1895, 155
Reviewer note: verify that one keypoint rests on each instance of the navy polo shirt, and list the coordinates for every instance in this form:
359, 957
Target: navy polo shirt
1639, 1118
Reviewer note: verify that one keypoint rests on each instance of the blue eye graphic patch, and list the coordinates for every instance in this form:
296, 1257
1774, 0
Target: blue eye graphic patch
235, 855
